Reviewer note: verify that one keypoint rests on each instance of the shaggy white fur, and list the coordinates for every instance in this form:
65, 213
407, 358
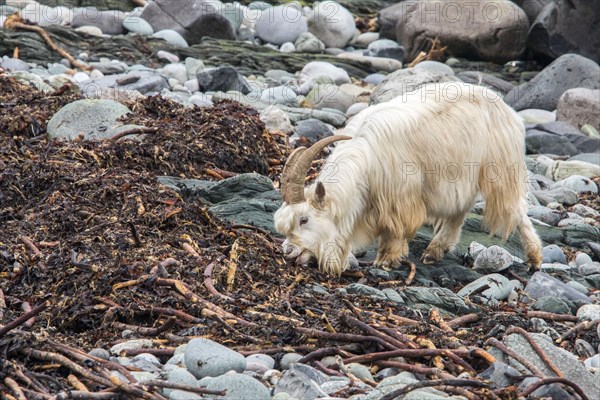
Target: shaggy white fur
422, 157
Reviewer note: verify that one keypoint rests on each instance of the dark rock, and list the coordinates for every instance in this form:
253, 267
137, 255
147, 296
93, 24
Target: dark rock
193, 19
222, 79
552, 304
566, 26
498, 85
245, 199
533, 8
565, 361
426, 298
313, 129
388, 19
472, 36
109, 22
559, 138
543, 285
501, 374
543, 91
553, 254
451, 276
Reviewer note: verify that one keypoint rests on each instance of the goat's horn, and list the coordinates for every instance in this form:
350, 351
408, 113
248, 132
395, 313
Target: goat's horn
297, 166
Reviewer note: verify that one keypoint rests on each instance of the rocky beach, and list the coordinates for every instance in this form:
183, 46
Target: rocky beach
142, 145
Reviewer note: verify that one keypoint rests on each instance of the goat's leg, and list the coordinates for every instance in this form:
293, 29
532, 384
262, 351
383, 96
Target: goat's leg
531, 242
391, 250
447, 234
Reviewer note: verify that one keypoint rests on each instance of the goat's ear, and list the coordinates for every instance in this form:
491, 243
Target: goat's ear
320, 193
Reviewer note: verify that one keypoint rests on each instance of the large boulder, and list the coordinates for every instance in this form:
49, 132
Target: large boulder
281, 24
109, 22
579, 107
331, 23
388, 19
493, 31
193, 19
543, 91
566, 26
406, 80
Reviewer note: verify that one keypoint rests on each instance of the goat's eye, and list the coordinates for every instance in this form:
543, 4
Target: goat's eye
303, 220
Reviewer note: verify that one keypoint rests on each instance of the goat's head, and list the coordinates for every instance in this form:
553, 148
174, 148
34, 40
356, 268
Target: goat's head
305, 216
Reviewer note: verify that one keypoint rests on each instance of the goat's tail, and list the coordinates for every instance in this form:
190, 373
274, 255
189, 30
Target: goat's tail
503, 180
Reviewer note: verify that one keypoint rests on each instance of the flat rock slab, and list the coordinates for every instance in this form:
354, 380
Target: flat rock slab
566, 362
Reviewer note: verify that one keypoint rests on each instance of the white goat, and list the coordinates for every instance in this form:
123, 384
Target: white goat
422, 157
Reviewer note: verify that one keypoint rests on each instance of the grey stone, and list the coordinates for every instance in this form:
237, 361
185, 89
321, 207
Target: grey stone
592, 158
355, 109
565, 26
109, 22
267, 360
204, 357
579, 107
317, 69
180, 376
183, 395
108, 67
288, 359
43, 15
364, 290
299, 385
586, 212
404, 81
94, 119
313, 129
329, 96
281, 24
552, 304
393, 295
544, 90
592, 362
473, 37
276, 120
360, 371
501, 374
535, 116
566, 362
136, 24
498, 287
131, 345
283, 94
309, 43
492, 82
426, 298
193, 19
558, 138
590, 268
584, 349
589, 312
553, 254
561, 195
542, 284
331, 387
143, 376
493, 259
332, 23
172, 37
222, 79
578, 286
146, 362
578, 184
100, 353
544, 214
434, 67
14, 65
374, 79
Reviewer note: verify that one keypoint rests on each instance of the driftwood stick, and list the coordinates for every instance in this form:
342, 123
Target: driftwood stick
463, 320
179, 386
533, 387
24, 318
536, 348
15, 22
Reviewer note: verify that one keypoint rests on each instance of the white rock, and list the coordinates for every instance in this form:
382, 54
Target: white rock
316, 69
589, 312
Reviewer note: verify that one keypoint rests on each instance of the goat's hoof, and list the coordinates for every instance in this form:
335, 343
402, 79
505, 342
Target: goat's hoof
429, 259
387, 265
